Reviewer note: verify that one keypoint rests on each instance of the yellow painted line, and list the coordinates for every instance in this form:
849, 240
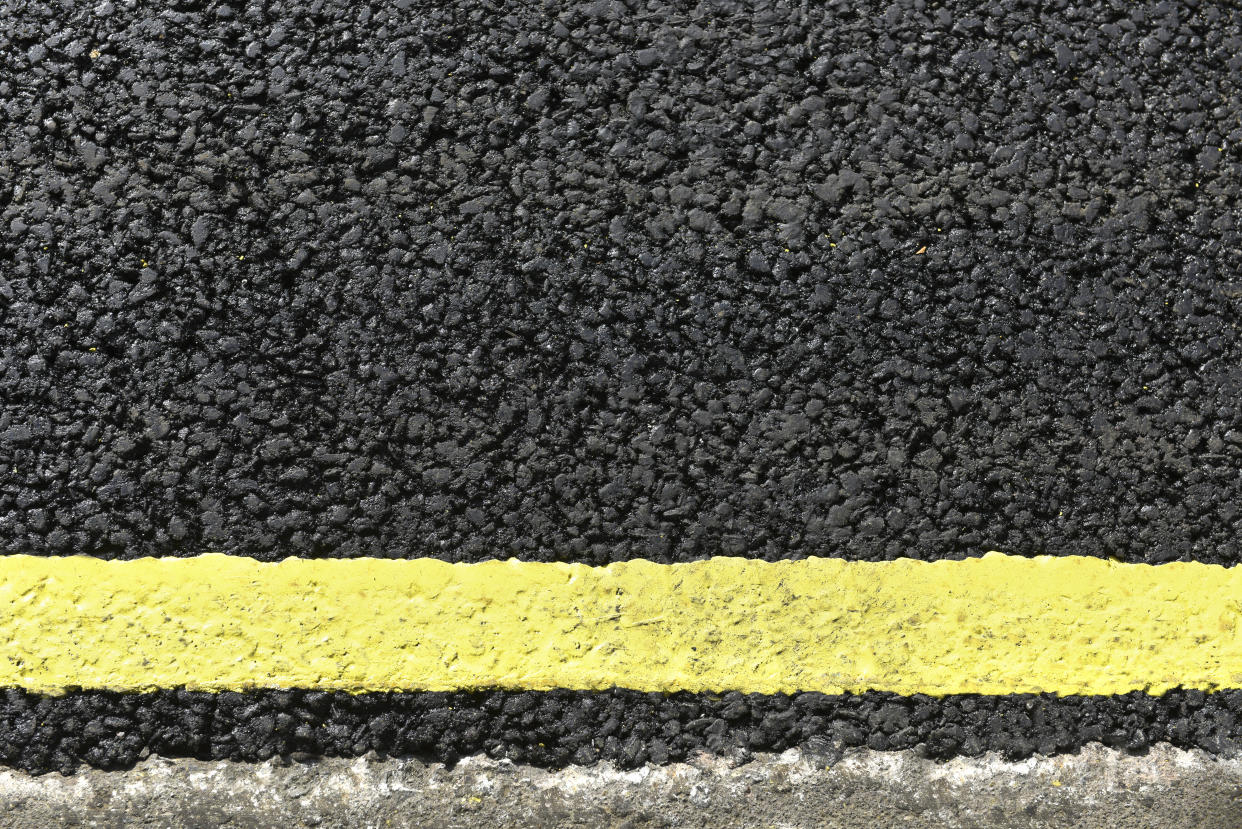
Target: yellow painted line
992, 625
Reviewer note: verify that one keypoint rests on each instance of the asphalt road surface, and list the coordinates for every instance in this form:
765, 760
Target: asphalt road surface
601, 281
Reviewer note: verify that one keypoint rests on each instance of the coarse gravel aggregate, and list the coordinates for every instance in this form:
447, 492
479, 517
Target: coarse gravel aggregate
605, 280
111, 730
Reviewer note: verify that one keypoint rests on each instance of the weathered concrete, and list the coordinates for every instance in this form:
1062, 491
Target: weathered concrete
1164, 788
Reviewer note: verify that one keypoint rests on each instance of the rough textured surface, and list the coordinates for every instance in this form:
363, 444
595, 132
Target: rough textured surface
992, 625
604, 280
1099, 787
556, 728
610, 280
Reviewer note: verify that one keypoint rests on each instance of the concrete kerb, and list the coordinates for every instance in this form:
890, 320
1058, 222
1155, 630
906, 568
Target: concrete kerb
1164, 787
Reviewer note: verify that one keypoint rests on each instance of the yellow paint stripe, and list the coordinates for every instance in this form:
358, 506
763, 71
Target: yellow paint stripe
992, 625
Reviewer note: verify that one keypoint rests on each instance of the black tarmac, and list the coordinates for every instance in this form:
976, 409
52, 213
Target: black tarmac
606, 280
595, 281
555, 728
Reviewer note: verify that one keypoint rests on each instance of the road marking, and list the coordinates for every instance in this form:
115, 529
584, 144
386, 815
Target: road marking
991, 625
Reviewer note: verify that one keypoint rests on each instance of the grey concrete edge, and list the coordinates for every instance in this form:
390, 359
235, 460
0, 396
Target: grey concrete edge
1166, 787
